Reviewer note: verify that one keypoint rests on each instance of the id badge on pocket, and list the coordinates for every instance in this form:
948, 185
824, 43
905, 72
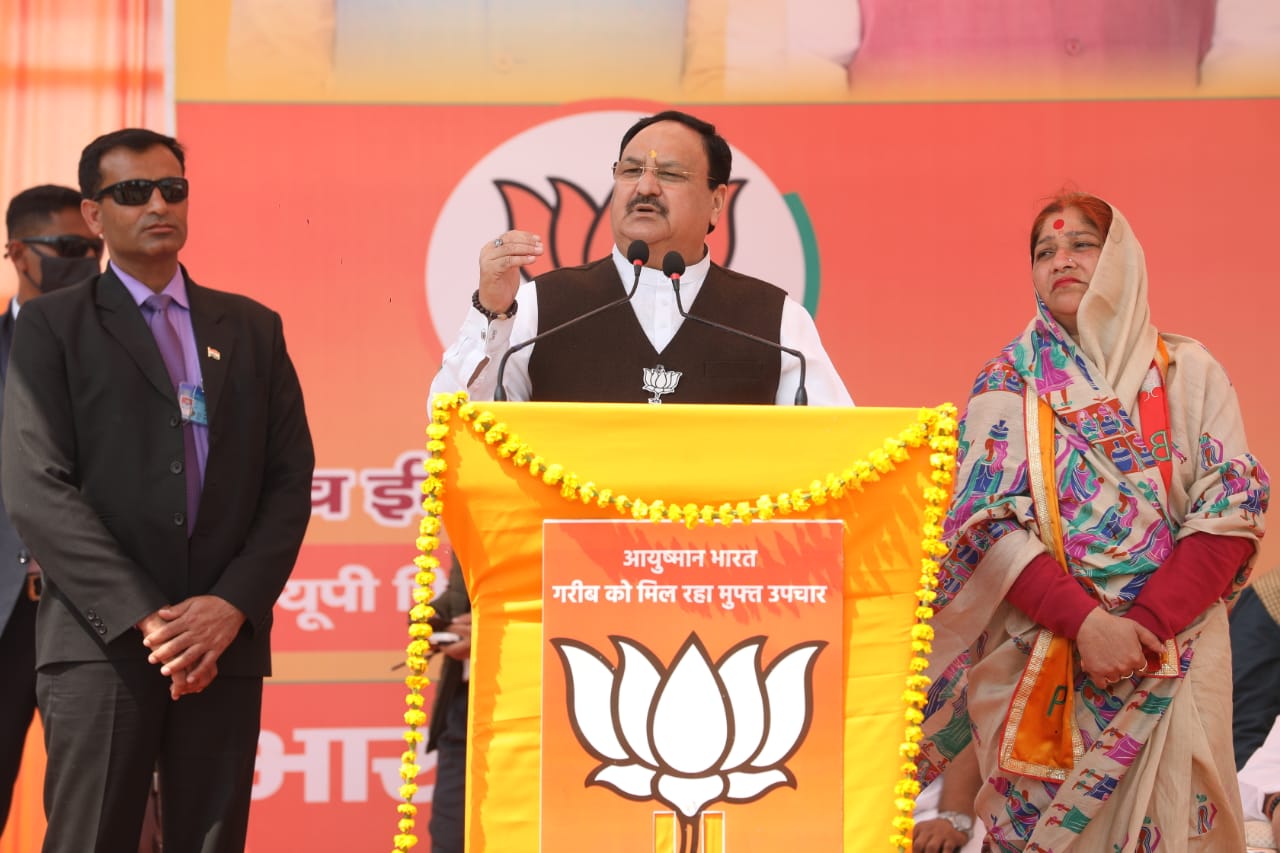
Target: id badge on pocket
191, 402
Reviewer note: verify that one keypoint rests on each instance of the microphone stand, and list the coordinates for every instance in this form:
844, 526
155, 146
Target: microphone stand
802, 396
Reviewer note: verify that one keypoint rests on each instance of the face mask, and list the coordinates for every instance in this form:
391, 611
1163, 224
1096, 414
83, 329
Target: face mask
56, 273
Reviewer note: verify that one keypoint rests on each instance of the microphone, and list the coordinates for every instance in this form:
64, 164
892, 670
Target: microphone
638, 254
673, 267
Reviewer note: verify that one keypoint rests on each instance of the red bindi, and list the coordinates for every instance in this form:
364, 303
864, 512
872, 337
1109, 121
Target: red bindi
1058, 223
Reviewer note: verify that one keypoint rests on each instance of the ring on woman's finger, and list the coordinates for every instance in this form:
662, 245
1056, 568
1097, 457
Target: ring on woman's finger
497, 241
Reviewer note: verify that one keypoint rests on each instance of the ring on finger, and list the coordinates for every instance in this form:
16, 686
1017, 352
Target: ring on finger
497, 241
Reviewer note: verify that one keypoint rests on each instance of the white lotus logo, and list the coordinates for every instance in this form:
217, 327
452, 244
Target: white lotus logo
695, 733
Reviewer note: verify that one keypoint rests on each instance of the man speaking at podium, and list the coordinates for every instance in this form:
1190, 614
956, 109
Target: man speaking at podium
669, 344
669, 189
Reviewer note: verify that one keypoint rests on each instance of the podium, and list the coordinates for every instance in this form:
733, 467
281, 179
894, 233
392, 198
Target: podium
498, 470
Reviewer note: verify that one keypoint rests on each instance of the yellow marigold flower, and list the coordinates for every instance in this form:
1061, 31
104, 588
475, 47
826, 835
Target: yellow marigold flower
418, 648
880, 461
587, 492
427, 543
914, 734
414, 717
419, 630
467, 411
639, 510
742, 512
783, 503
405, 824
404, 842
818, 492
407, 809
413, 700
914, 697
799, 502
429, 526
913, 716
553, 474
408, 790
910, 750
605, 499
918, 664
935, 548
907, 788
919, 682
537, 465
923, 612
522, 456
426, 562
675, 512
413, 737
921, 632
508, 449
421, 596
426, 578
434, 465
408, 772
622, 504
903, 824
835, 486
483, 421
420, 613
942, 478
921, 647
725, 513
417, 664
706, 514
437, 431
416, 682
764, 507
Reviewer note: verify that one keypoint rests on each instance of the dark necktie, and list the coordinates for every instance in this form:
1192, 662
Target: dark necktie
171, 351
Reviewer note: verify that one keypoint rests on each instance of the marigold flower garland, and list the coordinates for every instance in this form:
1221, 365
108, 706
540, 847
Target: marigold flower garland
943, 443
936, 427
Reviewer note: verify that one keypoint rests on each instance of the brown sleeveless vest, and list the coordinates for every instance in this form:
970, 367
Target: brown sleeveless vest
603, 359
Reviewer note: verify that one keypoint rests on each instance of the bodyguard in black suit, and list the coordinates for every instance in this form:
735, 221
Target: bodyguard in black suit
50, 246
157, 462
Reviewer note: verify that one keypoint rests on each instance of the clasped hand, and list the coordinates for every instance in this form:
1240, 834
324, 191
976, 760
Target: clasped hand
1113, 648
186, 640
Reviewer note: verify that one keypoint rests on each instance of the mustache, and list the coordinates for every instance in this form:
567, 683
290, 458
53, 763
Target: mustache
650, 200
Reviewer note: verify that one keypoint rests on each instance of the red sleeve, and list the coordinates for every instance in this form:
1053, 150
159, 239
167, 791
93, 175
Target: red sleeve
1196, 574
1051, 597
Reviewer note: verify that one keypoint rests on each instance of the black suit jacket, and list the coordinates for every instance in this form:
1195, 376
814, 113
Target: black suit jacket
13, 566
91, 436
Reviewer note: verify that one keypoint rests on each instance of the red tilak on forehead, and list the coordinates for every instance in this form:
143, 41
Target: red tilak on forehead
1058, 223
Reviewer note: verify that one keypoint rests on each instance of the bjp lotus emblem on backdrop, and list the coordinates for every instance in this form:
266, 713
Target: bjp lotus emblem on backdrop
693, 733
554, 180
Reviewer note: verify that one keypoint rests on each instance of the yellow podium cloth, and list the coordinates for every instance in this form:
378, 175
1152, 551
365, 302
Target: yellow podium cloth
493, 512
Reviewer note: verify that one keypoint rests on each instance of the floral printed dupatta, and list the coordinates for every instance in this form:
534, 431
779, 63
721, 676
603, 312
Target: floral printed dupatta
1117, 523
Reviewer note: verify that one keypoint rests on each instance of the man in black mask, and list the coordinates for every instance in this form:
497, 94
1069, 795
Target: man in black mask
51, 246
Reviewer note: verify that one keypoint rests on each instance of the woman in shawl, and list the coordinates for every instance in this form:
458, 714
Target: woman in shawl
1081, 638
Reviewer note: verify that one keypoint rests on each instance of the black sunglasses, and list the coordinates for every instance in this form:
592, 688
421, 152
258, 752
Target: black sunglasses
68, 245
138, 191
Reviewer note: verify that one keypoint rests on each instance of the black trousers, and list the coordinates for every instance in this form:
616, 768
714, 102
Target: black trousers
109, 724
18, 687
448, 803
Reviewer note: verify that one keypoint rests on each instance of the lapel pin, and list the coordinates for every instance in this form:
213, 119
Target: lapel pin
214, 354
